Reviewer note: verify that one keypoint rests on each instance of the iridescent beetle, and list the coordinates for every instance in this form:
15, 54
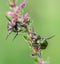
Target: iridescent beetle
18, 27
37, 43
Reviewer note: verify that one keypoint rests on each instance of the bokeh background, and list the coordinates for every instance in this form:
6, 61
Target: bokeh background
46, 17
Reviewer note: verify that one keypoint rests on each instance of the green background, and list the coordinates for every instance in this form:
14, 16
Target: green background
46, 17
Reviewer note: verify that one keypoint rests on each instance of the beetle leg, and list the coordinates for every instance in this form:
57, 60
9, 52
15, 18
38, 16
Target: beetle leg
50, 37
15, 36
8, 35
39, 54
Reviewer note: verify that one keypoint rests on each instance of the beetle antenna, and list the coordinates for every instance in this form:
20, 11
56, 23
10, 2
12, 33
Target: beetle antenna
50, 37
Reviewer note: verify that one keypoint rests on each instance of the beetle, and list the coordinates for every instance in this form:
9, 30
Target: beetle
18, 27
40, 44
37, 43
